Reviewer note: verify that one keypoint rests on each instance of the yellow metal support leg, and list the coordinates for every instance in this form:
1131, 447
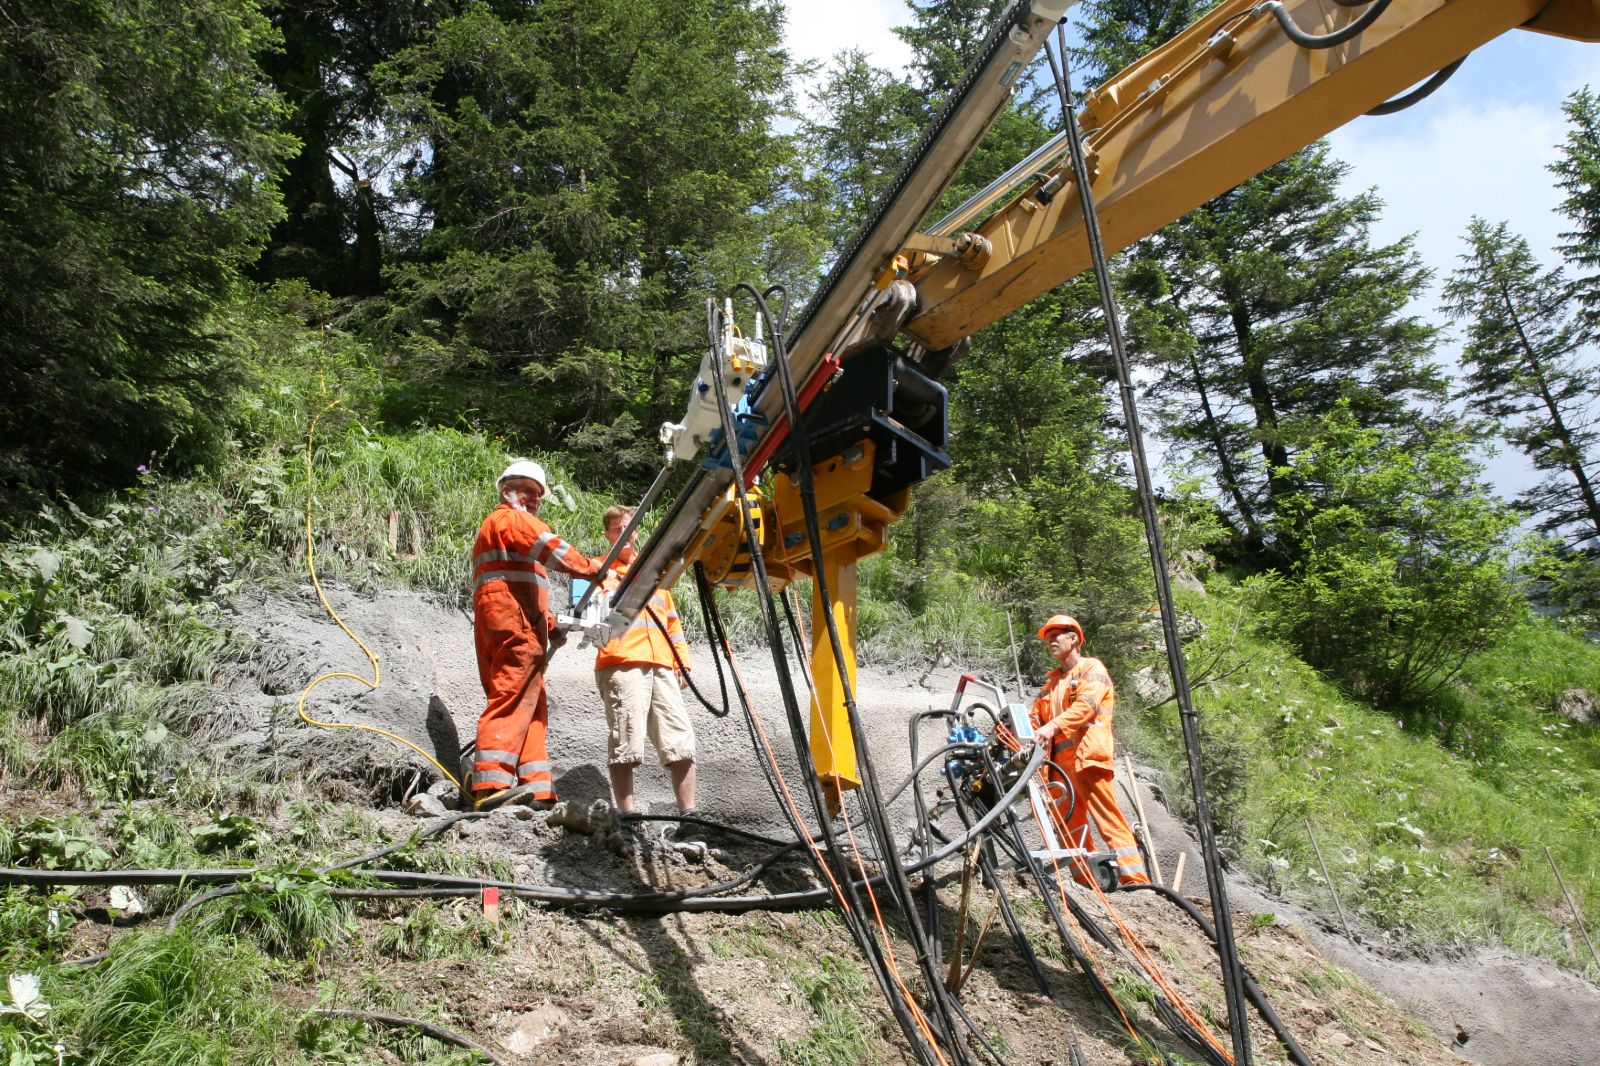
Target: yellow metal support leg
833, 747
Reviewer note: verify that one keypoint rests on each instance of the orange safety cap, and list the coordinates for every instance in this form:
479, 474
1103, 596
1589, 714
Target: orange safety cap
1058, 622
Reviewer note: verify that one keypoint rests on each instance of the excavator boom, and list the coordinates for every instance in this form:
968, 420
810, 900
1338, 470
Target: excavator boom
1224, 100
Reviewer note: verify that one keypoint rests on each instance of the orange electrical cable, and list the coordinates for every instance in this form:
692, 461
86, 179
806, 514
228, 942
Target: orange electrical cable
1148, 963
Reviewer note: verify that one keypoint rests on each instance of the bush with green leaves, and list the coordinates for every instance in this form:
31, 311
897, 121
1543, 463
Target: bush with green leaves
1405, 564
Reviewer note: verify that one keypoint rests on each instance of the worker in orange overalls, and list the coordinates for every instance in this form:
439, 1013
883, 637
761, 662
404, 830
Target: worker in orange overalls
639, 674
1072, 722
513, 628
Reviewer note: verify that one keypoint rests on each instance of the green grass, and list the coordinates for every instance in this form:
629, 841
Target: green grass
172, 1000
832, 988
1433, 820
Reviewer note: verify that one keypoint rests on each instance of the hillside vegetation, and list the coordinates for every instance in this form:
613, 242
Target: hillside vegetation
292, 282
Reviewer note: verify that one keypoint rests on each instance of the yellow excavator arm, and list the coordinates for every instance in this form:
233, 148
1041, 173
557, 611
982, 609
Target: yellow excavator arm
1224, 100
1247, 85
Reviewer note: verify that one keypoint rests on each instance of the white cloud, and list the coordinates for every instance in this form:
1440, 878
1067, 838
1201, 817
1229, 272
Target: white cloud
1488, 158
818, 28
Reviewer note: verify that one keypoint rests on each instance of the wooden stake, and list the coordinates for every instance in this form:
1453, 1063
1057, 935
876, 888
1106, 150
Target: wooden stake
1016, 663
1576, 913
1331, 886
1144, 819
977, 946
1177, 878
952, 980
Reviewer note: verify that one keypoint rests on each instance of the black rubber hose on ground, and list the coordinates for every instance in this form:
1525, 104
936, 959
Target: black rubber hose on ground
1251, 989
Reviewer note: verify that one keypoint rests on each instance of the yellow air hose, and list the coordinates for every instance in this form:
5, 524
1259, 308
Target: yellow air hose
372, 656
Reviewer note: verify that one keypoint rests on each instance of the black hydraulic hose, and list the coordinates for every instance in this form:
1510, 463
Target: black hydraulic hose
426, 833
991, 874
716, 636
851, 907
684, 671
1174, 1021
899, 886
1008, 914
1419, 94
1232, 983
1326, 40
1251, 988
1068, 942
930, 890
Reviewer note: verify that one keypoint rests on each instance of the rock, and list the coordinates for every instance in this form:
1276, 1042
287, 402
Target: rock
1579, 705
426, 805
657, 1058
467, 828
1188, 582
533, 1028
1150, 685
521, 813
443, 789
1337, 1037
125, 902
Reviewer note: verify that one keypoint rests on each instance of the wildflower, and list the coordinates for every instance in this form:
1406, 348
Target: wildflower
142, 468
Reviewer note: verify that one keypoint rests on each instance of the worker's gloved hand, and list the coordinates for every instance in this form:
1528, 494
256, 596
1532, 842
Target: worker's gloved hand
1045, 735
558, 638
683, 679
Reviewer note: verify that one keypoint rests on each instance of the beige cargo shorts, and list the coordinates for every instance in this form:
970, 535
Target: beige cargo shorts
644, 701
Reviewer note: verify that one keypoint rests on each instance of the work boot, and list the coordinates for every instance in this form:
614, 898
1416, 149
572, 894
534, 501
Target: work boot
686, 832
489, 801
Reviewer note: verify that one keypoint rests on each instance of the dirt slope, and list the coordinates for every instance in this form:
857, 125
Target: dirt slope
764, 987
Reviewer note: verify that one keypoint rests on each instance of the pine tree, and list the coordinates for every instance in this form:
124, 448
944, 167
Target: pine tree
136, 174
1531, 368
1270, 303
586, 172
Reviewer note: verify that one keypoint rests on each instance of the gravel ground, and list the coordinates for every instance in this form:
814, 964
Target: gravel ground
1490, 1007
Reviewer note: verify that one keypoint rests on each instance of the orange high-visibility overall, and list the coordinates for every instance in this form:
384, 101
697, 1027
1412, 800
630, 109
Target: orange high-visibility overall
1082, 701
511, 624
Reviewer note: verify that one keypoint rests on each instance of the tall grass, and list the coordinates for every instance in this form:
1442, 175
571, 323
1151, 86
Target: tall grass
1433, 819
179, 999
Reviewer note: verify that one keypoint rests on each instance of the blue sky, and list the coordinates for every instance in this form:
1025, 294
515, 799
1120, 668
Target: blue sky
1480, 145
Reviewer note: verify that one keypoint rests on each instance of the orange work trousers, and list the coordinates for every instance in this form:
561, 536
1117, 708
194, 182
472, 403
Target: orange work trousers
513, 727
1097, 799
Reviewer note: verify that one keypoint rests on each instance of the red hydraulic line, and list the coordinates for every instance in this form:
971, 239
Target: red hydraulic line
821, 376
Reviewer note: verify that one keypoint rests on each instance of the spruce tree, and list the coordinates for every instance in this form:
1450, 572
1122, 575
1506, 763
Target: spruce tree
136, 173
1578, 174
1271, 303
1530, 368
586, 173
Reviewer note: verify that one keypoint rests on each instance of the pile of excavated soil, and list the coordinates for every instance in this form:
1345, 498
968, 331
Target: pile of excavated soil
594, 983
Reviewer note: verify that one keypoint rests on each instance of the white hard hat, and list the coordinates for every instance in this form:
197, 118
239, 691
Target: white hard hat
525, 468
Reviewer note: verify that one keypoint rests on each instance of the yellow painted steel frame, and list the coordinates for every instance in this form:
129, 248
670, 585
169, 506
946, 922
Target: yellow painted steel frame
1225, 99
854, 526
